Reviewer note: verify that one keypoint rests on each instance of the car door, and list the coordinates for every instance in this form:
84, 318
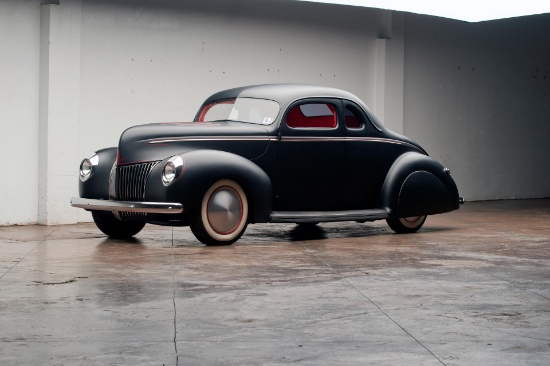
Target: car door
311, 168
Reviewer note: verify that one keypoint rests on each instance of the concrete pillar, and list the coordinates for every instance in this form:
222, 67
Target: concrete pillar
60, 23
380, 77
390, 68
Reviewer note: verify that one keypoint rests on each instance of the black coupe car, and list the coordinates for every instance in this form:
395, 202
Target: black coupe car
267, 153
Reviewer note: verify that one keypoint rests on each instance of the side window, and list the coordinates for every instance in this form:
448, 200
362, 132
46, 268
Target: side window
354, 118
312, 115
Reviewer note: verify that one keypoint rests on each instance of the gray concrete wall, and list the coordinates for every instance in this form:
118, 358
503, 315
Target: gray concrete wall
143, 63
477, 97
19, 100
92, 68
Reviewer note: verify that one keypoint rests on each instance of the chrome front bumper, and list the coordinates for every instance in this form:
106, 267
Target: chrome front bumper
122, 206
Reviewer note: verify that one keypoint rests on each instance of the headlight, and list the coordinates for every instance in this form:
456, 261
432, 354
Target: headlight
87, 167
172, 170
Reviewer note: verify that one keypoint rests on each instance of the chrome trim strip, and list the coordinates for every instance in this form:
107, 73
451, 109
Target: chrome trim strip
346, 139
284, 139
145, 207
384, 141
214, 138
312, 139
328, 216
287, 139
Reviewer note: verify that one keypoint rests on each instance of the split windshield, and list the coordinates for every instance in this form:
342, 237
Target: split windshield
249, 110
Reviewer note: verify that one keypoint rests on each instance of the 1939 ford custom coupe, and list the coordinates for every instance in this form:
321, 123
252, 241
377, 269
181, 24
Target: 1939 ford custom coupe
266, 153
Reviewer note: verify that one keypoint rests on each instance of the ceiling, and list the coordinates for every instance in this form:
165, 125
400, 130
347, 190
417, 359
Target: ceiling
465, 10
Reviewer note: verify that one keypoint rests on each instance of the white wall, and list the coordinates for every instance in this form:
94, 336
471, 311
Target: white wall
477, 97
19, 60
59, 111
141, 61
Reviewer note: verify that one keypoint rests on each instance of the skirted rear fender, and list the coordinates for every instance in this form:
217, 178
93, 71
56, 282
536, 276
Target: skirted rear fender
201, 169
418, 185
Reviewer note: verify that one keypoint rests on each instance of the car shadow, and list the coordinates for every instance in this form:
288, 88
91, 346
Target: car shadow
307, 232
113, 241
435, 229
274, 233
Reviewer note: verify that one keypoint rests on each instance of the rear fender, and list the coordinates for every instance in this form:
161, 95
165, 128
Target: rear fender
201, 169
418, 185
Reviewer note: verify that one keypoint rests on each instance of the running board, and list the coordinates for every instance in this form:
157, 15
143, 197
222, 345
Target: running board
328, 216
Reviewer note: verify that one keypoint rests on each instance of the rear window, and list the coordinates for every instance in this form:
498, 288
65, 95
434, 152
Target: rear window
353, 118
249, 110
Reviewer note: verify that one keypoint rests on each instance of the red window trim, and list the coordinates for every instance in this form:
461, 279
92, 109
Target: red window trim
209, 106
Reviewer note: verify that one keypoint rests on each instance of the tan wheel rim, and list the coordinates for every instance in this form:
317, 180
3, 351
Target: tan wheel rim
412, 222
224, 210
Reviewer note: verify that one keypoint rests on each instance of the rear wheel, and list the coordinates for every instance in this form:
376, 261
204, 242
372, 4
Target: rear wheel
405, 225
223, 215
115, 228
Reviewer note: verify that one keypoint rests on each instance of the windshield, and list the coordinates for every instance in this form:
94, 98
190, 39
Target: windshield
259, 111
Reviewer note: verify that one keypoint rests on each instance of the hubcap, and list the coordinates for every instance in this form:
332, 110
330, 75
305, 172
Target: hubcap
225, 210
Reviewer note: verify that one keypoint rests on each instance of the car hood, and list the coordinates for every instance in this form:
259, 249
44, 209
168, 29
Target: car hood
157, 141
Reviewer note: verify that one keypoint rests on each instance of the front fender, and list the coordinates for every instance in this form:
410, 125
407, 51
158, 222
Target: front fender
418, 185
201, 169
97, 186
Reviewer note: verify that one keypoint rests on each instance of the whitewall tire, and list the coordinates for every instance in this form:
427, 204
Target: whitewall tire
223, 215
405, 225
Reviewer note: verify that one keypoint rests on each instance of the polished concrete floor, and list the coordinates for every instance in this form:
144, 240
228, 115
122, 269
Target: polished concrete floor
471, 288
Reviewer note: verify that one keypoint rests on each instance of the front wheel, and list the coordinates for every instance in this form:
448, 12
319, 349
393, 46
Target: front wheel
405, 225
115, 228
223, 215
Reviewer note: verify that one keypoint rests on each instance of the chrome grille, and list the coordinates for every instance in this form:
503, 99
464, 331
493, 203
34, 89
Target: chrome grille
131, 181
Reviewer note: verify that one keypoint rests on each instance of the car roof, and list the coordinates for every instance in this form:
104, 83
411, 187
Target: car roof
285, 94
282, 93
